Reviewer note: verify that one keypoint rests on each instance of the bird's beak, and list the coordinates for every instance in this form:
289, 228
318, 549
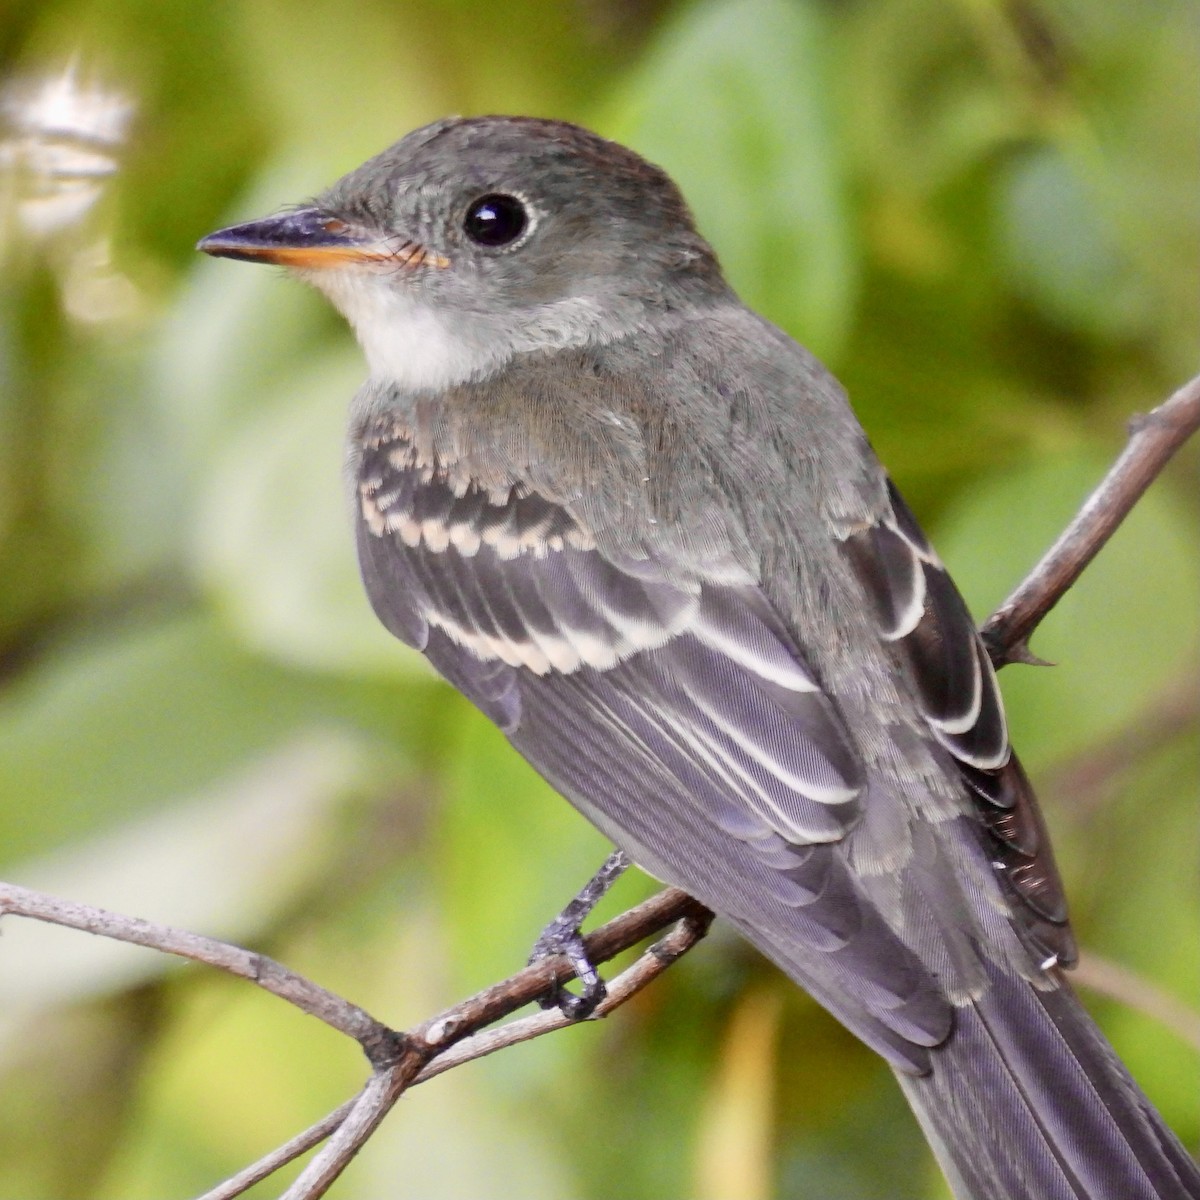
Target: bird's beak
310, 239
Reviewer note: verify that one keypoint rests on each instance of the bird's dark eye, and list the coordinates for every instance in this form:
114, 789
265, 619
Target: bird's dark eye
495, 220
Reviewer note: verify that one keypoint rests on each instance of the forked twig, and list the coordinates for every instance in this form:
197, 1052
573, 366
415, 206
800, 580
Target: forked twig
401, 1060
1154, 438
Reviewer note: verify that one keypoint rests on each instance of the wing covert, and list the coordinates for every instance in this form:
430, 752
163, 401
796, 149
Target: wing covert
515, 580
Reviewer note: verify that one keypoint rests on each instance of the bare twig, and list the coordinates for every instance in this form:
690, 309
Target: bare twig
631, 981
373, 1103
1127, 987
270, 975
1153, 440
1087, 780
314, 1135
399, 1059
451, 1039
458, 1035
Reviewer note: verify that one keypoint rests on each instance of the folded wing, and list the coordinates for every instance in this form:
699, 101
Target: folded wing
675, 710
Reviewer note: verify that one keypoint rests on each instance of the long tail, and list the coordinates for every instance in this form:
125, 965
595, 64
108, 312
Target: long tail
1049, 1112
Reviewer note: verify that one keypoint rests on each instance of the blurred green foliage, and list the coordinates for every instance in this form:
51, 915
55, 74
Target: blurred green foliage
982, 213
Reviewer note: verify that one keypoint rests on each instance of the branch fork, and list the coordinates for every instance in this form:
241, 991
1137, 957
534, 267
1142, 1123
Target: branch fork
400, 1060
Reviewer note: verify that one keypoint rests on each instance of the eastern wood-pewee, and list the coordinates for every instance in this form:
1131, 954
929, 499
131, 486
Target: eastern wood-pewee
642, 530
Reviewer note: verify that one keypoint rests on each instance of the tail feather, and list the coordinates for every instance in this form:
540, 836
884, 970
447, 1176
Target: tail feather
1027, 1101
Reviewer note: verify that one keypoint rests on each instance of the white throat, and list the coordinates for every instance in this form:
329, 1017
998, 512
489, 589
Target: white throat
418, 346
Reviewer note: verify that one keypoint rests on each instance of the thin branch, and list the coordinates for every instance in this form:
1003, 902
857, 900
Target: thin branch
399, 1059
270, 975
632, 980
1154, 438
430, 1043
1087, 780
644, 920
1127, 987
314, 1135
374, 1103
456, 1036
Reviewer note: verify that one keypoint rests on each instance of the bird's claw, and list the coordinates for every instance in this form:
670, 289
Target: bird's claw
562, 937
558, 939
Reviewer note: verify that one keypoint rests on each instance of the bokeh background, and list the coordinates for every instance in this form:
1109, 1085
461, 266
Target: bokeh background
982, 214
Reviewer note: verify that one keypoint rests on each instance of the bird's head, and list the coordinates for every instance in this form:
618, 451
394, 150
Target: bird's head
472, 240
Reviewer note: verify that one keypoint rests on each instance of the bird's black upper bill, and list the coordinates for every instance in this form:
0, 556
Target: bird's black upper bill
305, 237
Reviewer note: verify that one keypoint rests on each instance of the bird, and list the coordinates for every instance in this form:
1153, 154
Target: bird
641, 528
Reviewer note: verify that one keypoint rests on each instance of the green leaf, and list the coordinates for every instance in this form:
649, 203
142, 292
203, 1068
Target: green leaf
274, 537
219, 862
515, 851
1139, 912
731, 101
1063, 250
234, 330
105, 731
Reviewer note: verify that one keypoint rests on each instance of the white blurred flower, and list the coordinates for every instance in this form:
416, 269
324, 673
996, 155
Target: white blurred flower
61, 141
62, 144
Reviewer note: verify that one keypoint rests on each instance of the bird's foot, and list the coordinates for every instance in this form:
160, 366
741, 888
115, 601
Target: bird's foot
562, 937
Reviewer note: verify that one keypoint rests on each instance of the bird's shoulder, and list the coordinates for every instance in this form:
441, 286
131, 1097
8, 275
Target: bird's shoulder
708, 433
